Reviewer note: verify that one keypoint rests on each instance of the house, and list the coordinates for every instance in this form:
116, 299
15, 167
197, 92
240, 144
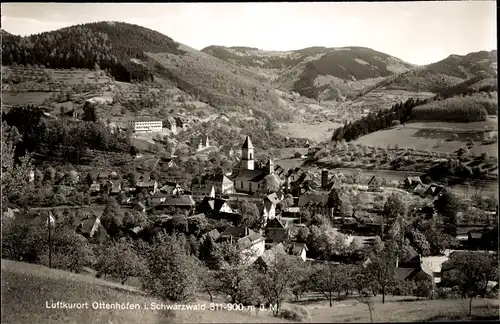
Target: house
150, 186
373, 184
214, 234
95, 188
103, 176
434, 191
268, 257
169, 161
200, 191
276, 232
145, 125
213, 206
184, 202
269, 207
156, 199
136, 231
172, 188
139, 206
414, 269
116, 188
411, 182
251, 244
315, 203
170, 124
292, 212
91, 227
222, 184
419, 189
245, 177
300, 250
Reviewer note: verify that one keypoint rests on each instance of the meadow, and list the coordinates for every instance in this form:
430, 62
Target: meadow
26, 288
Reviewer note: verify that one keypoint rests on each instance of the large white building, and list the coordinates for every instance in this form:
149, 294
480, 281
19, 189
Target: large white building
147, 126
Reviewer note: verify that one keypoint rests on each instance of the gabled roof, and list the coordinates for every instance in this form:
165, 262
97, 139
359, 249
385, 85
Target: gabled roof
202, 188
312, 200
238, 232
251, 175
277, 234
413, 180
434, 189
373, 180
403, 273
248, 143
269, 256
87, 223
274, 223
214, 234
180, 200
298, 247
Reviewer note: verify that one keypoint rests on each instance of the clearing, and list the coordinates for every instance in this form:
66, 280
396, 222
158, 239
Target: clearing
313, 132
432, 136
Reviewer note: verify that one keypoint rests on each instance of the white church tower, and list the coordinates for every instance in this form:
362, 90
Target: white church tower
247, 158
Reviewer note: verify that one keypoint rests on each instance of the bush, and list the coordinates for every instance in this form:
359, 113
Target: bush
395, 123
297, 155
296, 314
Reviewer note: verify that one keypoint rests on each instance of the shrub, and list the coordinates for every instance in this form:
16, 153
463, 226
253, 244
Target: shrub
395, 123
297, 155
296, 314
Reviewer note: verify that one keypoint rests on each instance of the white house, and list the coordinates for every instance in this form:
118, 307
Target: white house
300, 250
147, 126
200, 191
251, 244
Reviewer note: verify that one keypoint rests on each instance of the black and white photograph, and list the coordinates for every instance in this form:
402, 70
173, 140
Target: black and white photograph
249, 162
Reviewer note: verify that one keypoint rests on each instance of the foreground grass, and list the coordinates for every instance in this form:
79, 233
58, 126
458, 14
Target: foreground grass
403, 309
27, 287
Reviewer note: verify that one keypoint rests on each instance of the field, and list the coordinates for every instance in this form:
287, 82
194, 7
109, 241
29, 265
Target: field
26, 288
430, 137
401, 309
316, 133
380, 99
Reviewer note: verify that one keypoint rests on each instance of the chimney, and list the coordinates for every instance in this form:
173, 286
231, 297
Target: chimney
324, 179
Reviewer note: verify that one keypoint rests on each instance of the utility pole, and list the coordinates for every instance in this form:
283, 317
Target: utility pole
50, 239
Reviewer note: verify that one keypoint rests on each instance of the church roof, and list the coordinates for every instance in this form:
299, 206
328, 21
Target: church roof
248, 143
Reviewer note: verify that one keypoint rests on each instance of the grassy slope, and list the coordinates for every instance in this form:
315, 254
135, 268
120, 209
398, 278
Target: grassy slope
345, 69
26, 288
397, 309
425, 136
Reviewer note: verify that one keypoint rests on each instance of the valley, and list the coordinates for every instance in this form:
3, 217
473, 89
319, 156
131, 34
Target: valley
311, 184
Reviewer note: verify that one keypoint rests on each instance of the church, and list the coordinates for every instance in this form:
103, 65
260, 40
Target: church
246, 177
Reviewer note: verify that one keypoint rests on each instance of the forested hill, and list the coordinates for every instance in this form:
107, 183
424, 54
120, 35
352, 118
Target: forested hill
111, 45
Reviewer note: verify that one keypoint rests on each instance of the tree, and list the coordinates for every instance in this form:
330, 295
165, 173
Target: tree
302, 235
112, 219
172, 271
472, 271
278, 279
393, 214
381, 269
329, 279
368, 301
271, 184
235, 279
70, 251
250, 215
121, 261
89, 112
209, 253
134, 218
425, 287
447, 205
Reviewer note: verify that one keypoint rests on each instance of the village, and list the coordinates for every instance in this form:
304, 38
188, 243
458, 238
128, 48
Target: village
281, 202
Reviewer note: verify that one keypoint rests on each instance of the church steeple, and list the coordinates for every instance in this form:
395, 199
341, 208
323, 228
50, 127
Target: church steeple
247, 158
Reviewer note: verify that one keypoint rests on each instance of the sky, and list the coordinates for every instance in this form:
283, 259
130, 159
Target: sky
416, 32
